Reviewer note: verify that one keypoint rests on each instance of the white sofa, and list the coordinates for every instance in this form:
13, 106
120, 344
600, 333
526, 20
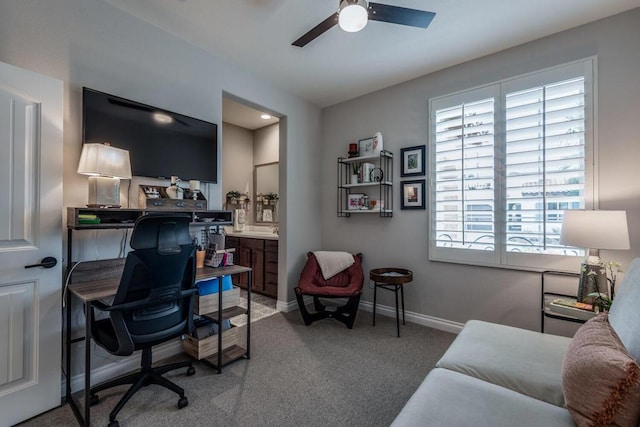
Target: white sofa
496, 375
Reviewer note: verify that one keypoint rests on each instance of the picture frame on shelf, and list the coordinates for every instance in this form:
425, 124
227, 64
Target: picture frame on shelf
365, 147
355, 201
413, 161
412, 195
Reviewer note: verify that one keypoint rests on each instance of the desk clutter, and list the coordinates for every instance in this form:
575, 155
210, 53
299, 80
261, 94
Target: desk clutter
158, 198
213, 243
572, 308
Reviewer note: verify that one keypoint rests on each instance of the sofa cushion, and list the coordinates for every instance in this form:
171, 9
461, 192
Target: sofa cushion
524, 361
624, 315
600, 379
448, 398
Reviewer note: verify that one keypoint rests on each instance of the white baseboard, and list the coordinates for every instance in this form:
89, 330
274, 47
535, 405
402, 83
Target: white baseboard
388, 311
420, 319
127, 364
169, 349
292, 305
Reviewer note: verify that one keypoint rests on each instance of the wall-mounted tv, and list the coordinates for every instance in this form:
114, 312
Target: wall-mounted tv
161, 143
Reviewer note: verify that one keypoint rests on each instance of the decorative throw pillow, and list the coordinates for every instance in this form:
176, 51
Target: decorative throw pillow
600, 379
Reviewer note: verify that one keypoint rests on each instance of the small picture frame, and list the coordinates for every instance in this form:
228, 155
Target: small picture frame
365, 147
412, 194
355, 202
413, 161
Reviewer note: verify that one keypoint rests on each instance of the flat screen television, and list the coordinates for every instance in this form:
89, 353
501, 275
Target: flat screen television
161, 143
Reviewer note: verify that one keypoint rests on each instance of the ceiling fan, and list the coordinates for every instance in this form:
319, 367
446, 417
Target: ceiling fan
353, 15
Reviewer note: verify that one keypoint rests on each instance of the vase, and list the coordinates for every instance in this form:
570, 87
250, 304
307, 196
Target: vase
175, 192
354, 178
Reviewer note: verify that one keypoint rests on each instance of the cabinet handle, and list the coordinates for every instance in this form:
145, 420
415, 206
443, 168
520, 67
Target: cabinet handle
157, 203
180, 204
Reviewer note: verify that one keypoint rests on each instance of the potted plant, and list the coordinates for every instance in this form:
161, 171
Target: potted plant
233, 196
272, 198
356, 172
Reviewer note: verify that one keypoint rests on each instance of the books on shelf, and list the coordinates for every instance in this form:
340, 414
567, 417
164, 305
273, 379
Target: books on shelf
572, 308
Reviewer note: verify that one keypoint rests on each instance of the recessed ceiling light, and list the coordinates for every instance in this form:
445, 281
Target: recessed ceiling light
265, 116
162, 118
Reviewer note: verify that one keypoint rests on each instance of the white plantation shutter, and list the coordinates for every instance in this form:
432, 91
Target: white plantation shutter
545, 163
506, 161
465, 175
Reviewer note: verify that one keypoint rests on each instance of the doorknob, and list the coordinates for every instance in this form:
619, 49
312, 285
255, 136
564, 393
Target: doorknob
47, 262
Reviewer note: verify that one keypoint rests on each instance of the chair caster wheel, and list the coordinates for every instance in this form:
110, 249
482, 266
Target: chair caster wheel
94, 400
181, 403
114, 423
191, 371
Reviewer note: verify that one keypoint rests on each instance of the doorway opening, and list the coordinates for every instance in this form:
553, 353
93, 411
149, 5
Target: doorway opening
250, 170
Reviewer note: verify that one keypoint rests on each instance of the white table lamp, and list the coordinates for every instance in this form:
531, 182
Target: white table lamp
106, 166
594, 230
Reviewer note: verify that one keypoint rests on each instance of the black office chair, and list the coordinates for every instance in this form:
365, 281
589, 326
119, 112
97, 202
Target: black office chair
153, 304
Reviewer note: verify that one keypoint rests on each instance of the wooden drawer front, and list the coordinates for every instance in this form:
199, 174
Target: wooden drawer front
271, 290
270, 257
174, 204
271, 245
271, 267
252, 243
271, 279
232, 242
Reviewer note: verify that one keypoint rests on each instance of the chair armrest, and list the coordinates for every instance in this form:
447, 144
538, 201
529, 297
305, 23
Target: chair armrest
141, 302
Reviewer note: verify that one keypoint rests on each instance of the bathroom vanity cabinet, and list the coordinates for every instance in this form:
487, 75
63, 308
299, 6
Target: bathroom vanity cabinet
262, 256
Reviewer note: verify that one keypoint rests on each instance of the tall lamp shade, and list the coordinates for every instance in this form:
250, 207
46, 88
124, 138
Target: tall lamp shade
106, 166
594, 230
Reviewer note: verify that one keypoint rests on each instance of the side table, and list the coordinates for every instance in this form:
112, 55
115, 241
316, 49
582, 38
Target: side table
391, 279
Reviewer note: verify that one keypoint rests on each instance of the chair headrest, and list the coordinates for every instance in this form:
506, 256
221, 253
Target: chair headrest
166, 232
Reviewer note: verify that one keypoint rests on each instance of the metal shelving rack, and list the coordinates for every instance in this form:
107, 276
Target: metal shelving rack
384, 161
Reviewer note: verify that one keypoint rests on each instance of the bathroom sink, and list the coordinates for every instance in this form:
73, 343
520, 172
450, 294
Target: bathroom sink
253, 231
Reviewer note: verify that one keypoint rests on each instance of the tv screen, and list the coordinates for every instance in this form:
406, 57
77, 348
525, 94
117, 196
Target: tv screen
161, 143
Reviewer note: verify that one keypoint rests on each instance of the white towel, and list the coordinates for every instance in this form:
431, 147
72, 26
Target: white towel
332, 263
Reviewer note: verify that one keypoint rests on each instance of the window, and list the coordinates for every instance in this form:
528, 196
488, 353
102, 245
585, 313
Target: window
506, 161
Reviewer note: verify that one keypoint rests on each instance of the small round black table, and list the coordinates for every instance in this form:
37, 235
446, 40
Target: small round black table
391, 279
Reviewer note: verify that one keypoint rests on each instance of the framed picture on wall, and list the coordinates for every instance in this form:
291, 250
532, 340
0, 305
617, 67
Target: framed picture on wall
412, 195
413, 160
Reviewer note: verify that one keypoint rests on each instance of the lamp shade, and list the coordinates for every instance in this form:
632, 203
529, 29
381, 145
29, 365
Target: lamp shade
353, 15
595, 229
104, 160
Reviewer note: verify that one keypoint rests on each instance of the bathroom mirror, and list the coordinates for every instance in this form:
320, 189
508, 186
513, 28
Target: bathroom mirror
266, 195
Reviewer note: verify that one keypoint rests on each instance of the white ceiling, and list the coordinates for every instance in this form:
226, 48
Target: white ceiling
244, 116
337, 66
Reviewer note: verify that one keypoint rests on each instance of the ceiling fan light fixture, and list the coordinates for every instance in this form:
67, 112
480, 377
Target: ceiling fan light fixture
353, 15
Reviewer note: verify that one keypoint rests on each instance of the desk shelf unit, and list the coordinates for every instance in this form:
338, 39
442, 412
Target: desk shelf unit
383, 189
223, 354
106, 285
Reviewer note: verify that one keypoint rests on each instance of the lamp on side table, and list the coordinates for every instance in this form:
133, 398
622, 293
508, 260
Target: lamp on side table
594, 230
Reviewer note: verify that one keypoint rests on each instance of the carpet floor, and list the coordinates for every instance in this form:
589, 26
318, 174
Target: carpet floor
317, 375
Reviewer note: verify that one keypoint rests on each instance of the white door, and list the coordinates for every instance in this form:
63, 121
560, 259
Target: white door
30, 230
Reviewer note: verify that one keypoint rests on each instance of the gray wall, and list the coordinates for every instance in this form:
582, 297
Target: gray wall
242, 149
267, 140
237, 154
91, 43
457, 292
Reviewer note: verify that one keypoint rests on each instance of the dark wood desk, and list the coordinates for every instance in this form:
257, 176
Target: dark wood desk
95, 290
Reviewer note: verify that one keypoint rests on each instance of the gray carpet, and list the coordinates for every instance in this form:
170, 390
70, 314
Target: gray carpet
318, 375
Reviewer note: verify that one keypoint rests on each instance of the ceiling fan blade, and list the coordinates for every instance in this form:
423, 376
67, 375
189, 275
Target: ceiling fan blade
400, 15
317, 30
